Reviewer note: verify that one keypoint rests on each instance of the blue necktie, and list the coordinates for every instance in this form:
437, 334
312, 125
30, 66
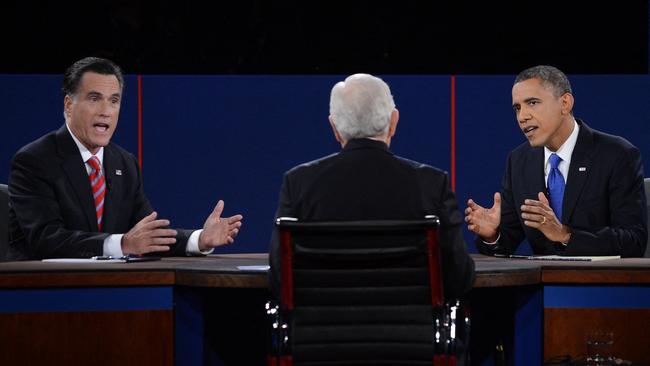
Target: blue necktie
556, 186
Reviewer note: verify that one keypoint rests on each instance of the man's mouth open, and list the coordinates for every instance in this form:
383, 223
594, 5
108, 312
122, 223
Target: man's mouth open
528, 131
101, 127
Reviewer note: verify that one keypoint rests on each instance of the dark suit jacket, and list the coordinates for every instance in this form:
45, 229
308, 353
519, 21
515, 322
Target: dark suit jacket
647, 198
52, 211
4, 222
365, 181
604, 199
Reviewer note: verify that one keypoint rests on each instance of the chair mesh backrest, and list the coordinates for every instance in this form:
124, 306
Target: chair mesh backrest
362, 292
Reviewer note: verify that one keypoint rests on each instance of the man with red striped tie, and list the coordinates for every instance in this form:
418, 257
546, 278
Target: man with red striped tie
74, 193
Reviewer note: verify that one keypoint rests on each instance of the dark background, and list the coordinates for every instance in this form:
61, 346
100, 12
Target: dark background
326, 37
252, 95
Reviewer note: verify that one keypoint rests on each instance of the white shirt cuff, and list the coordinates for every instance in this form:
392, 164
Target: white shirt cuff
494, 242
113, 245
193, 245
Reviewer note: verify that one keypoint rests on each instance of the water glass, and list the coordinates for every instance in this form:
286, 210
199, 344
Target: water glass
599, 348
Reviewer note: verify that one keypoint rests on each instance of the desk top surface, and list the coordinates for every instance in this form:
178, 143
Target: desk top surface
222, 271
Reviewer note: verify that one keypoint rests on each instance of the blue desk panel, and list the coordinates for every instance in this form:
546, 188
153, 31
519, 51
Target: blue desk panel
86, 299
611, 297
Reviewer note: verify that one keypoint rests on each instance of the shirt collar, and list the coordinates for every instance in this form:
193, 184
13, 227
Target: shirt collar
566, 150
85, 153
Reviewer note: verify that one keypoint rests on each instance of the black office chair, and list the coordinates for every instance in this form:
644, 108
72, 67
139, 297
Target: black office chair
647, 197
4, 222
364, 293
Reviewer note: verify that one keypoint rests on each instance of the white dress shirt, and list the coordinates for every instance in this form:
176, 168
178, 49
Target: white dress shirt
113, 243
564, 152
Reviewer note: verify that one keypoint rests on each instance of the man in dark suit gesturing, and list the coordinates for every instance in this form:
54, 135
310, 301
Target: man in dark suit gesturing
570, 190
74, 193
366, 181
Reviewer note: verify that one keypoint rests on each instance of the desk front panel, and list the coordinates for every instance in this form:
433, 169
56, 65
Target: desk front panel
87, 326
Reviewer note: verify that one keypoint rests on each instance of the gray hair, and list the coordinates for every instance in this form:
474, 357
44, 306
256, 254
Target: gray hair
73, 75
550, 77
361, 106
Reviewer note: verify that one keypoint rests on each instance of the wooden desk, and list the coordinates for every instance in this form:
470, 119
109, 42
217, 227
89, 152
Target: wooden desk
571, 299
172, 305
212, 271
613, 296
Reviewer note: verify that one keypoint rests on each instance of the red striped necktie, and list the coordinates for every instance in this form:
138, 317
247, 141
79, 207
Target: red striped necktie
99, 188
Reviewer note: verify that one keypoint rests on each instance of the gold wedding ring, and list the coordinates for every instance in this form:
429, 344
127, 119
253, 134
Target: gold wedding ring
543, 221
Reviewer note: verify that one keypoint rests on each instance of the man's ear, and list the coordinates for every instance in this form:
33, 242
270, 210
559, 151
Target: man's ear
392, 127
394, 118
567, 103
337, 135
67, 106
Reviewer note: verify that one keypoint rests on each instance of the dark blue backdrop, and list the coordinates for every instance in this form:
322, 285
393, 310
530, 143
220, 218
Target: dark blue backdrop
232, 137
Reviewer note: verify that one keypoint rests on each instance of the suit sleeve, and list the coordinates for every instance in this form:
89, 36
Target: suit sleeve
37, 212
284, 209
457, 265
511, 234
627, 232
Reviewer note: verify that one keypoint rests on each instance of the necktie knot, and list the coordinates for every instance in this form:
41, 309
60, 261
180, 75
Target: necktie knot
555, 161
94, 163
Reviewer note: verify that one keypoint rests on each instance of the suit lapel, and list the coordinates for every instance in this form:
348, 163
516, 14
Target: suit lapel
578, 171
112, 172
75, 169
534, 171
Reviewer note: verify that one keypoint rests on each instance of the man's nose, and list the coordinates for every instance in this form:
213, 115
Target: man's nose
523, 116
107, 108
